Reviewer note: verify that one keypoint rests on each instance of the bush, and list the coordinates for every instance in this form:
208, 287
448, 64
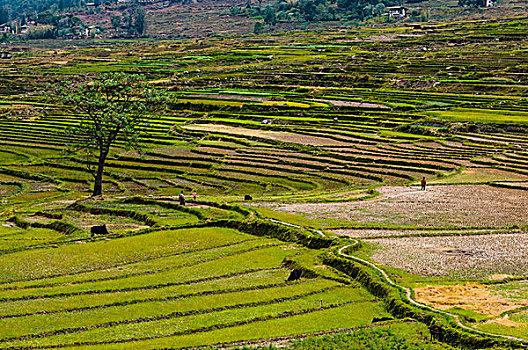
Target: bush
260, 227
41, 32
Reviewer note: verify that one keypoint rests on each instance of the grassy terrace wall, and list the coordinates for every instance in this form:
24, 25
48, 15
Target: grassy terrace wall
399, 308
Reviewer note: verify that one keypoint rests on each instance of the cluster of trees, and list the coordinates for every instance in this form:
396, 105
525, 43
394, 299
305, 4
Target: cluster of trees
420, 16
41, 32
31, 10
327, 10
133, 21
54, 21
314, 10
472, 3
4, 15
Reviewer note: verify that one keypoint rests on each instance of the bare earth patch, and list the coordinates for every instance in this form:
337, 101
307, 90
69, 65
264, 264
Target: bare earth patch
476, 206
41, 186
353, 104
472, 296
459, 256
499, 277
379, 233
274, 135
36, 218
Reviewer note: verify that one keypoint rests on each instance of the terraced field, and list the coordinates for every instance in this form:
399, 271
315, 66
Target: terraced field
330, 133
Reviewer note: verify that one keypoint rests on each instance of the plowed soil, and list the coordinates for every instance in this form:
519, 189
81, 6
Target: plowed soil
462, 206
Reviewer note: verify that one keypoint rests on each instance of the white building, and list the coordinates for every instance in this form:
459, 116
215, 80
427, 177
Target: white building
397, 12
6, 28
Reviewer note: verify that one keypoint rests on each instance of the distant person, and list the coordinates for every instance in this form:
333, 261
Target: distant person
194, 195
423, 183
181, 198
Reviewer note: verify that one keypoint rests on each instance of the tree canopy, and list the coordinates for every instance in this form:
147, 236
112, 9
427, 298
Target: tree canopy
111, 107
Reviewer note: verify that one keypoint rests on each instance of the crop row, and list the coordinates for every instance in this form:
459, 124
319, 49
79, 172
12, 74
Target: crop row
258, 279
104, 254
202, 322
145, 266
209, 268
151, 311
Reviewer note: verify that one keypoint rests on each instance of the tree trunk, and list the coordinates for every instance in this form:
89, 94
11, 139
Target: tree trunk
98, 185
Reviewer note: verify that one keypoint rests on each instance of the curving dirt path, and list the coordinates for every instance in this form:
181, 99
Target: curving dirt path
408, 291
408, 294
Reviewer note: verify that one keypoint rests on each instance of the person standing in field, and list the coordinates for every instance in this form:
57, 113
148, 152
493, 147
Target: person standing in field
423, 183
181, 198
194, 195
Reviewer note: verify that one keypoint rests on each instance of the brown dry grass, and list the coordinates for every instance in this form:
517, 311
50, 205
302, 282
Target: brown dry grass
274, 135
504, 321
472, 296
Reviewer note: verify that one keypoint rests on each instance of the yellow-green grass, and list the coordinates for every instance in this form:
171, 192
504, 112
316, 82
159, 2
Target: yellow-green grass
8, 190
502, 326
288, 104
213, 102
513, 289
245, 281
349, 316
479, 175
143, 267
481, 115
217, 213
346, 316
6, 177
363, 312
404, 135
115, 224
468, 314
163, 216
8, 157
42, 323
104, 254
35, 197
12, 238
218, 268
